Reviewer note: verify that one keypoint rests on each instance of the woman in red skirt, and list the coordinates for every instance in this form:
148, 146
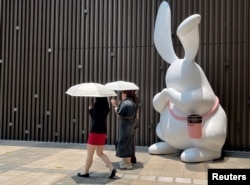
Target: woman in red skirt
97, 136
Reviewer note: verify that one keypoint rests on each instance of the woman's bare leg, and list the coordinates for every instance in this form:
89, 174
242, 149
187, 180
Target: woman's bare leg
90, 152
128, 160
104, 157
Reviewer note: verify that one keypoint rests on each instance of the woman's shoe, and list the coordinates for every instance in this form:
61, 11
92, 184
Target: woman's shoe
112, 173
122, 163
83, 175
129, 167
126, 166
134, 164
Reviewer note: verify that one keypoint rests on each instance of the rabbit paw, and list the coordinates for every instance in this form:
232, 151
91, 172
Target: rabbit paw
162, 148
199, 155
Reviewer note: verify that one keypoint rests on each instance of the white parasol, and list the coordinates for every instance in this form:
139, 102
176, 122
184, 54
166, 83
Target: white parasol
90, 90
122, 86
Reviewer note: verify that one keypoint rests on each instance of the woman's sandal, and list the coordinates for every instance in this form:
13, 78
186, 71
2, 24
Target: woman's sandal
83, 175
112, 173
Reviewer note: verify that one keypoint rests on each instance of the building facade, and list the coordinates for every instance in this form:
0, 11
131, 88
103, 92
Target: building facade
49, 45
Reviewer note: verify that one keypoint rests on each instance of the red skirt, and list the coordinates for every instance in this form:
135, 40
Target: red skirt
96, 139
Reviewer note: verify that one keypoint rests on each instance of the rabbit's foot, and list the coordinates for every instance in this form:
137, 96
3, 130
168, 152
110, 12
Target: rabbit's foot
162, 148
199, 155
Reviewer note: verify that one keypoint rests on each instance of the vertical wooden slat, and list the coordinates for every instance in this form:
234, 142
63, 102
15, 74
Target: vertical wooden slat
85, 59
53, 71
12, 73
1, 69
5, 65
9, 74
35, 81
62, 51
33, 77
246, 56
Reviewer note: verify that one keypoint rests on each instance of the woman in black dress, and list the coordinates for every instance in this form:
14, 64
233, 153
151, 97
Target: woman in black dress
126, 111
97, 136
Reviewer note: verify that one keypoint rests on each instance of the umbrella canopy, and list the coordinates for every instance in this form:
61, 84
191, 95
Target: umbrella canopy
90, 90
122, 86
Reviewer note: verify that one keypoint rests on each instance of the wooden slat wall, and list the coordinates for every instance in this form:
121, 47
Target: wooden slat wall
49, 45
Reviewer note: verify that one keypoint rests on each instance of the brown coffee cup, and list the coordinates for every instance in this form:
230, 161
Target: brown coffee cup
194, 126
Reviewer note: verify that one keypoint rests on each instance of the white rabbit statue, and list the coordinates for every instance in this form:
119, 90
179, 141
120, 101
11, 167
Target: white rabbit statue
188, 92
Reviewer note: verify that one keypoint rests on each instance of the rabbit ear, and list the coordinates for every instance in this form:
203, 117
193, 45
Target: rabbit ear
188, 33
162, 34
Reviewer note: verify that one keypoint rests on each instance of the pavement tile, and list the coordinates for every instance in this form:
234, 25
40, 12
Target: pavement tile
183, 180
165, 179
203, 182
148, 177
130, 176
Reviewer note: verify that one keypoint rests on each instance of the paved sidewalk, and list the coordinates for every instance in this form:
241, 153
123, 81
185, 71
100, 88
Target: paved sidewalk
41, 163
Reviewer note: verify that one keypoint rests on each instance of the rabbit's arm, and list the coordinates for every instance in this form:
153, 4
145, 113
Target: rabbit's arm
199, 100
160, 100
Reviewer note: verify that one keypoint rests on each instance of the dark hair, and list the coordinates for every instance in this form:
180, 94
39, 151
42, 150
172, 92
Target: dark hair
131, 94
101, 99
103, 102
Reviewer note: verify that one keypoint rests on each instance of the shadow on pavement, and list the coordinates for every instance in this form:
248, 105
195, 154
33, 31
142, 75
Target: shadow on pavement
95, 178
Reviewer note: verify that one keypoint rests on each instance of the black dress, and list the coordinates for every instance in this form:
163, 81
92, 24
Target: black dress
98, 129
99, 114
127, 114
